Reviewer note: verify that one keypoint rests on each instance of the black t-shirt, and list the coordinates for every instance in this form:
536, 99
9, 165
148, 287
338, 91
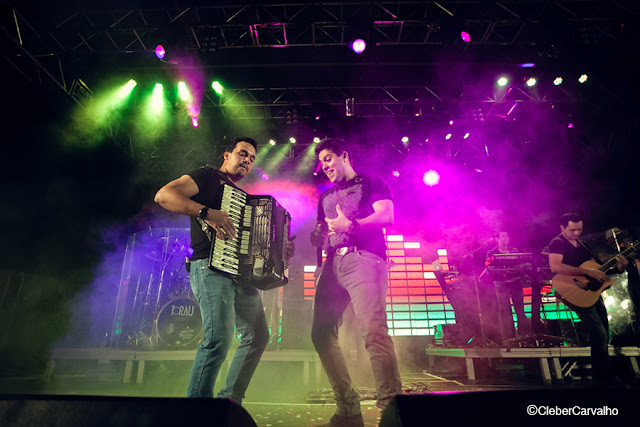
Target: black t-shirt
571, 255
355, 197
210, 182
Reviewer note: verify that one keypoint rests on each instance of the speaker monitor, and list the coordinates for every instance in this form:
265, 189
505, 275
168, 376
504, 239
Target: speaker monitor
513, 407
71, 411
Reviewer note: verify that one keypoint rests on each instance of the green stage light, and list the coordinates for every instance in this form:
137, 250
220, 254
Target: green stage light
183, 92
157, 98
217, 87
126, 89
277, 157
308, 161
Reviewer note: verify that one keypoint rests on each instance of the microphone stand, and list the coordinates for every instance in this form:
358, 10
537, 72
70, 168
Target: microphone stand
484, 342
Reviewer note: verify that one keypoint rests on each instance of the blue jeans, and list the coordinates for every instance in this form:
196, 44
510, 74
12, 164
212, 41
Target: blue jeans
361, 278
223, 305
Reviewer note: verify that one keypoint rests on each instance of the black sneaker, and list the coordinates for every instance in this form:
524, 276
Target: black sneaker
345, 421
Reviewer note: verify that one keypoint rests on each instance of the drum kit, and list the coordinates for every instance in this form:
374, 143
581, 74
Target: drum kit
164, 311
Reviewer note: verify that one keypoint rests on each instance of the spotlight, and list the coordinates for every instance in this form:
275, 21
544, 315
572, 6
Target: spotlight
126, 89
531, 82
265, 177
157, 98
217, 87
583, 78
466, 135
160, 52
194, 121
557, 81
466, 37
272, 142
405, 139
417, 107
448, 136
395, 174
570, 125
350, 107
502, 81
292, 140
316, 140
431, 178
183, 92
358, 46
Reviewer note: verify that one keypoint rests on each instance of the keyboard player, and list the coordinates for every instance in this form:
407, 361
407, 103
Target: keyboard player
223, 302
508, 287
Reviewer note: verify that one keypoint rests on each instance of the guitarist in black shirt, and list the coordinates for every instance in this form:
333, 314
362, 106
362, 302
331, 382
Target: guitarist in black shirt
569, 256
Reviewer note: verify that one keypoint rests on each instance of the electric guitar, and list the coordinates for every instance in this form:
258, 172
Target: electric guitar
584, 291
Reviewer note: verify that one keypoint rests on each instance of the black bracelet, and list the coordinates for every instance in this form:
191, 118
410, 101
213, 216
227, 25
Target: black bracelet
354, 228
203, 213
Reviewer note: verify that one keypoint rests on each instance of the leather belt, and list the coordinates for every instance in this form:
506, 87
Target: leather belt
342, 250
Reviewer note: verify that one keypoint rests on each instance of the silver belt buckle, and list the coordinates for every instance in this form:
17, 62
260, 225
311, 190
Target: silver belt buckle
342, 251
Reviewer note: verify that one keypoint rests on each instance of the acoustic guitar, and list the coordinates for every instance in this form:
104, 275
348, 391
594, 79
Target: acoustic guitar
584, 291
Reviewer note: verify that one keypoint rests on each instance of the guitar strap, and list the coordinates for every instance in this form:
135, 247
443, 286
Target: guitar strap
586, 248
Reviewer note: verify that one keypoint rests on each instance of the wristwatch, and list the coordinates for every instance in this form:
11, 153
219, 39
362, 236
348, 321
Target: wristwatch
203, 213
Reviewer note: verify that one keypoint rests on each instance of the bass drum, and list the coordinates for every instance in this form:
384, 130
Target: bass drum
179, 324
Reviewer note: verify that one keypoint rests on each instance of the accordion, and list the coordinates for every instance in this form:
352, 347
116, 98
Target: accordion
258, 253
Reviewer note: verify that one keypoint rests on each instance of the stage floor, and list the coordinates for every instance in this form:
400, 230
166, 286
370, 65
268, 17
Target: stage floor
279, 394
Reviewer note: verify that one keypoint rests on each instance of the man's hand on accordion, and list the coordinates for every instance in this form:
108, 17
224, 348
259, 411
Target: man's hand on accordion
220, 222
291, 248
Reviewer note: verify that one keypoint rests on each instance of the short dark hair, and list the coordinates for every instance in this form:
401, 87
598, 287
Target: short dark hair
235, 142
570, 217
336, 145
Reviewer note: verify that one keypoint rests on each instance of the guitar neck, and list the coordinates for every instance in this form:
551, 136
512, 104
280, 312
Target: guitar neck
609, 264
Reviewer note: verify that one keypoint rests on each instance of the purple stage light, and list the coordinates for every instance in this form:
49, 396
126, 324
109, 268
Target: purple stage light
160, 52
431, 178
466, 37
190, 252
395, 174
265, 177
358, 45
194, 121
570, 125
